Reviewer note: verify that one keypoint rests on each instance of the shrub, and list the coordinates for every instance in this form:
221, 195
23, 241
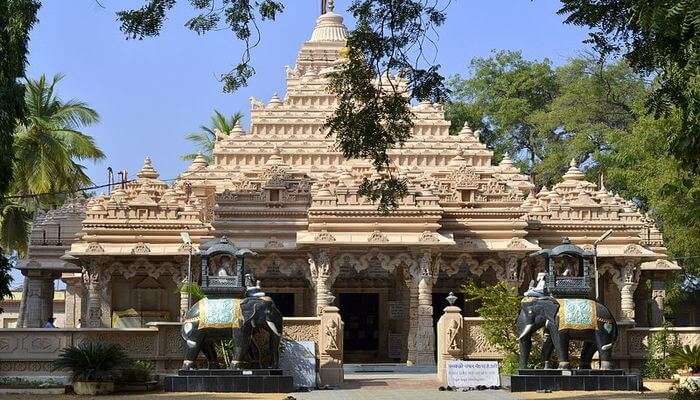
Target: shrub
689, 392
139, 371
685, 358
92, 361
660, 345
500, 305
16, 382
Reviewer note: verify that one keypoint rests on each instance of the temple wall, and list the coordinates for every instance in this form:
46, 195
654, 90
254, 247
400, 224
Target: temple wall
30, 351
462, 338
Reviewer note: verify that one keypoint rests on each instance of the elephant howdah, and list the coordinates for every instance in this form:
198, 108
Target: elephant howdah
211, 321
565, 320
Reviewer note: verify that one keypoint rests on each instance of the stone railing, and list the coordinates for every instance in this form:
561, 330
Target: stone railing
462, 338
30, 351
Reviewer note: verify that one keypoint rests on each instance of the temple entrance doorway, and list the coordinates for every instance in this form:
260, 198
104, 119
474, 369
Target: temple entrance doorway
360, 313
284, 303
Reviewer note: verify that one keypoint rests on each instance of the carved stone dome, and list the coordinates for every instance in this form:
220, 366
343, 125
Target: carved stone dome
329, 28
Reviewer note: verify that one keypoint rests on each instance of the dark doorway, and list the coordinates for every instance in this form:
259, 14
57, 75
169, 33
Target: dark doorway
440, 302
284, 303
360, 312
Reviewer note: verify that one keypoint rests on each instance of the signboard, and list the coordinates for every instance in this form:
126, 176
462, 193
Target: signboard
472, 373
395, 345
298, 358
397, 310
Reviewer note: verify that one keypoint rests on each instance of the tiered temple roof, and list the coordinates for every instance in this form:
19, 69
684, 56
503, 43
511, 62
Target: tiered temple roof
282, 184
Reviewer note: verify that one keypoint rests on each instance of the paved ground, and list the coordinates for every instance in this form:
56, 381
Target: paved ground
376, 386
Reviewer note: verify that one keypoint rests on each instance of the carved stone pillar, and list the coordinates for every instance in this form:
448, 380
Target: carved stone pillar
412, 319
658, 297
627, 282
511, 273
96, 282
331, 347
449, 339
322, 274
75, 290
424, 276
37, 303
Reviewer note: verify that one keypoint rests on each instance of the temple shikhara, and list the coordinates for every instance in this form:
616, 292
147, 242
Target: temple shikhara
281, 188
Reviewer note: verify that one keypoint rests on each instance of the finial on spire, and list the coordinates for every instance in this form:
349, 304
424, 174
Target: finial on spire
573, 162
327, 6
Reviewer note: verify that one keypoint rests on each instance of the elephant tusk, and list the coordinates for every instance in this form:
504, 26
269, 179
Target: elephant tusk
273, 328
527, 330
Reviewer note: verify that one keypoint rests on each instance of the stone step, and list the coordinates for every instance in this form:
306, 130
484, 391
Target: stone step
389, 368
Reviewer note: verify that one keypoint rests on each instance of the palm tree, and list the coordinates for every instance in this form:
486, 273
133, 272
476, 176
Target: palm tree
48, 146
204, 139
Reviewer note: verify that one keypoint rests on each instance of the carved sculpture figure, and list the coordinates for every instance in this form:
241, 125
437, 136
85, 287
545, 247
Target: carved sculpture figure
557, 305
235, 308
211, 320
566, 320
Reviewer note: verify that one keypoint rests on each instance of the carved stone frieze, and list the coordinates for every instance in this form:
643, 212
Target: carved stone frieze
428, 237
377, 237
324, 237
94, 248
141, 248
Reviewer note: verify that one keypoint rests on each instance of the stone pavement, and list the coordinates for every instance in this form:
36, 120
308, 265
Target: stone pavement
397, 386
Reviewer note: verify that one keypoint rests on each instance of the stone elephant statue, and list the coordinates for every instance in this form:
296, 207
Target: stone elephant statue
564, 320
210, 321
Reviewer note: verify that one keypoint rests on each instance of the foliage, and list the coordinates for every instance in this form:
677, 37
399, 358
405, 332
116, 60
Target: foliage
500, 305
139, 371
193, 289
690, 391
48, 147
17, 382
92, 361
15, 226
660, 345
594, 113
639, 167
224, 350
376, 83
204, 139
660, 38
16, 19
541, 116
685, 358
5, 278
501, 98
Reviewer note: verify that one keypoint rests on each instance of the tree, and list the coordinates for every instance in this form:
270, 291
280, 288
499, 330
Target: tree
5, 278
48, 146
501, 98
16, 20
204, 139
661, 38
544, 116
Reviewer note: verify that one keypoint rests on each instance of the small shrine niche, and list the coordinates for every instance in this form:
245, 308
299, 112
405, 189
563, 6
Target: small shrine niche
223, 269
567, 270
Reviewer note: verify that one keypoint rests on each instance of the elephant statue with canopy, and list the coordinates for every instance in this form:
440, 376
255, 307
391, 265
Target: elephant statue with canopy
234, 308
561, 304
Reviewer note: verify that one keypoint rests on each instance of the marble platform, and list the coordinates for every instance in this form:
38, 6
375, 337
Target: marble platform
226, 380
531, 380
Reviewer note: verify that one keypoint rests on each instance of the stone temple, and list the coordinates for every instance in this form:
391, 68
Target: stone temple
281, 188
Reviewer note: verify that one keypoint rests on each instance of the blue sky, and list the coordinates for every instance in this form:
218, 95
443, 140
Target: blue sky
150, 93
